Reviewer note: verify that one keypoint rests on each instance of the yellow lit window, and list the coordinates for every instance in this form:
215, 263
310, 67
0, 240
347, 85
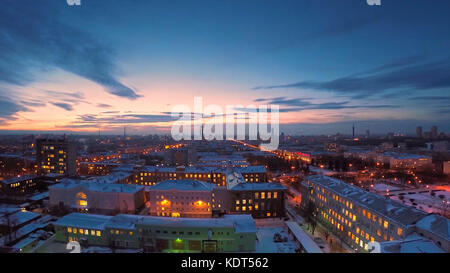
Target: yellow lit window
385, 224
69, 229
399, 231
263, 195
81, 231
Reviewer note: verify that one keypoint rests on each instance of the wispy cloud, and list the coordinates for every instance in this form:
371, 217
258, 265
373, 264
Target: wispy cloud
42, 40
414, 76
65, 106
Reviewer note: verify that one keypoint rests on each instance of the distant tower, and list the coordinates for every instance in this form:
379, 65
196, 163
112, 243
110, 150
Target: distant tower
368, 134
124, 131
419, 132
353, 131
434, 132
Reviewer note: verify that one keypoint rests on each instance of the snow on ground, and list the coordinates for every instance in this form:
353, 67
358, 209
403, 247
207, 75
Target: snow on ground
267, 245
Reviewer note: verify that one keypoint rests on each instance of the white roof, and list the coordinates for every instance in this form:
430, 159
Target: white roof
307, 243
376, 203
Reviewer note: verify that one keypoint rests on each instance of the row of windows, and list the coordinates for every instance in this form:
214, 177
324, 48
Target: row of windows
91, 232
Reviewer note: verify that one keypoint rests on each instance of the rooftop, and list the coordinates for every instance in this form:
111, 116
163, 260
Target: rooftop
374, 202
436, 224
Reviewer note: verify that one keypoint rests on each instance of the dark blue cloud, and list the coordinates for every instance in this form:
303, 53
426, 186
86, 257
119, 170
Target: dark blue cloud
414, 76
65, 106
41, 39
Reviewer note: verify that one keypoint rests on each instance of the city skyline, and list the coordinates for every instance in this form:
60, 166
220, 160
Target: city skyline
105, 66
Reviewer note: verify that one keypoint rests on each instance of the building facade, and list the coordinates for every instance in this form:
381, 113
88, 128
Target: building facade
232, 233
56, 155
182, 198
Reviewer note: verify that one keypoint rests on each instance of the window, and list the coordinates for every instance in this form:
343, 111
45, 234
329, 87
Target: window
399, 231
98, 233
69, 229
385, 224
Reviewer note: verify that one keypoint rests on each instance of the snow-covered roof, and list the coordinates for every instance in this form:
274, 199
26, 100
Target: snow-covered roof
183, 185
204, 169
307, 243
381, 205
96, 186
251, 169
404, 155
17, 179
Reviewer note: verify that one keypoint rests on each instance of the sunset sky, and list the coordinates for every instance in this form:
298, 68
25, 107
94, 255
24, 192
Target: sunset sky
327, 64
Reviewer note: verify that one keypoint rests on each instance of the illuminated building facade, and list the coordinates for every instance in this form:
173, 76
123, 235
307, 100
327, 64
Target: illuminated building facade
56, 155
182, 198
232, 233
355, 215
150, 175
95, 197
18, 185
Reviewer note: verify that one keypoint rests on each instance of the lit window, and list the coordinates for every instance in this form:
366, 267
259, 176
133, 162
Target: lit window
69, 229
386, 224
399, 231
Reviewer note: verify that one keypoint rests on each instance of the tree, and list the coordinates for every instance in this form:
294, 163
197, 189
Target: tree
310, 212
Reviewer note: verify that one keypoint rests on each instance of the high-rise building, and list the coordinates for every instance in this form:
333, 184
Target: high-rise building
56, 155
419, 132
434, 132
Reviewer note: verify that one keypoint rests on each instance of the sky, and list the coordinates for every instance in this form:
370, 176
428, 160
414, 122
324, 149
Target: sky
110, 64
